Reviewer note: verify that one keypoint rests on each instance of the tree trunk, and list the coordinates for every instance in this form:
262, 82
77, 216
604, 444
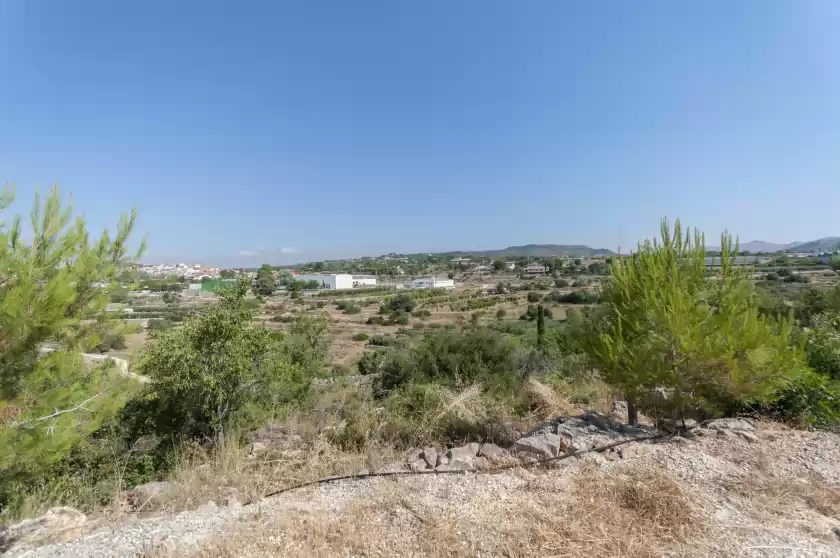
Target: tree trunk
632, 412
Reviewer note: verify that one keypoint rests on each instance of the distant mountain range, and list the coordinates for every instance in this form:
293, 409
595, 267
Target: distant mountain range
826, 244
536, 250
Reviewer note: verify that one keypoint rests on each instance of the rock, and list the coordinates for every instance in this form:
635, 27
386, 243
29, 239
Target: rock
481, 463
153, 493
680, 440
417, 465
506, 434
568, 463
492, 452
574, 422
208, 507
734, 424
542, 445
548, 426
631, 430
464, 454
579, 444
277, 435
58, 524
630, 451
430, 456
612, 455
442, 459
748, 436
414, 455
676, 425
257, 448
455, 466
598, 421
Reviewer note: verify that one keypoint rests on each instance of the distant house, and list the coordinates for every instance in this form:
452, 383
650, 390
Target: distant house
534, 270
510, 266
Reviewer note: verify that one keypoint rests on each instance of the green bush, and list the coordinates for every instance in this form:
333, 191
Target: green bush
421, 313
477, 355
534, 297
361, 336
370, 362
375, 320
216, 372
398, 317
400, 303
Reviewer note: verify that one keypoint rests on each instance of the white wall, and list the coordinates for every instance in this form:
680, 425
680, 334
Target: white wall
361, 282
432, 283
336, 281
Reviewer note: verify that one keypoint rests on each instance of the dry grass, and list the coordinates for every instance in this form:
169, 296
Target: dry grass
780, 495
548, 402
638, 515
641, 514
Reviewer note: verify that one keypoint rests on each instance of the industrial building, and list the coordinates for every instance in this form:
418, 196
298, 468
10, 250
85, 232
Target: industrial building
340, 281
431, 283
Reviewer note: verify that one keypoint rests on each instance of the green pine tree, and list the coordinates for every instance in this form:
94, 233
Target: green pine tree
55, 283
671, 326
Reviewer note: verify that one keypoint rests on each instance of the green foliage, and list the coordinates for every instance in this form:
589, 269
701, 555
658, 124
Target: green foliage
532, 313
265, 284
421, 313
561, 283
57, 282
348, 307
361, 336
812, 399
834, 263
397, 317
823, 345
534, 297
476, 355
500, 314
370, 362
217, 371
668, 325
401, 302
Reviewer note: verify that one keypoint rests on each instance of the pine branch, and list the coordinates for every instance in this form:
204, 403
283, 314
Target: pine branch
80, 406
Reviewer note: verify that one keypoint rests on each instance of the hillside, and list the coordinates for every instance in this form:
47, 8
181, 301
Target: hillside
762, 246
536, 250
825, 244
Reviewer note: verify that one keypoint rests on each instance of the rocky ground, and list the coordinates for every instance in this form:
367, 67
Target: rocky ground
726, 488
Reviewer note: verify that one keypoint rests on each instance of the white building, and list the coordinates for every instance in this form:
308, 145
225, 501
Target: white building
339, 281
432, 283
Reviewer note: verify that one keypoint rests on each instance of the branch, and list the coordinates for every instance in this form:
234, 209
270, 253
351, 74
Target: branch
62, 412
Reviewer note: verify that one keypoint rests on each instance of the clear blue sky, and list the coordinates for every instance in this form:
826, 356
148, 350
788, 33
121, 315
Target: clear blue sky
357, 127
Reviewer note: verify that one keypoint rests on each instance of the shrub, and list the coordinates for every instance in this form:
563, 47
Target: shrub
398, 317
361, 336
500, 313
718, 349
382, 340
370, 362
454, 359
216, 371
534, 297
421, 313
401, 303
561, 283
376, 320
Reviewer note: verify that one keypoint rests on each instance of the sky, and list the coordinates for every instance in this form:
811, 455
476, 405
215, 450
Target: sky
279, 131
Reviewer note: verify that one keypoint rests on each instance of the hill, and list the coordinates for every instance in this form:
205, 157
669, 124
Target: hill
536, 250
825, 244
762, 246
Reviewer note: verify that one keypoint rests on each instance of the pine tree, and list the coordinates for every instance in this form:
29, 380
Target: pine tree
671, 326
54, 288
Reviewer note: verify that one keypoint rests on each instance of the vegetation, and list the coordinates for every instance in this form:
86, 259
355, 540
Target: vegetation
265, 284
670, 326
57, 283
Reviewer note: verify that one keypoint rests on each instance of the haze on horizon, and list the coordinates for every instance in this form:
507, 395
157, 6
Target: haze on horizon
289, 132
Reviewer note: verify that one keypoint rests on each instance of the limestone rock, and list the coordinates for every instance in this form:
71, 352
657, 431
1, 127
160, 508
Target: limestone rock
430, 456
635, 449
747, 435
153, 493
464, 454
548, 426
598, 421
542, 445
58, 524
734, 424
492, 452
